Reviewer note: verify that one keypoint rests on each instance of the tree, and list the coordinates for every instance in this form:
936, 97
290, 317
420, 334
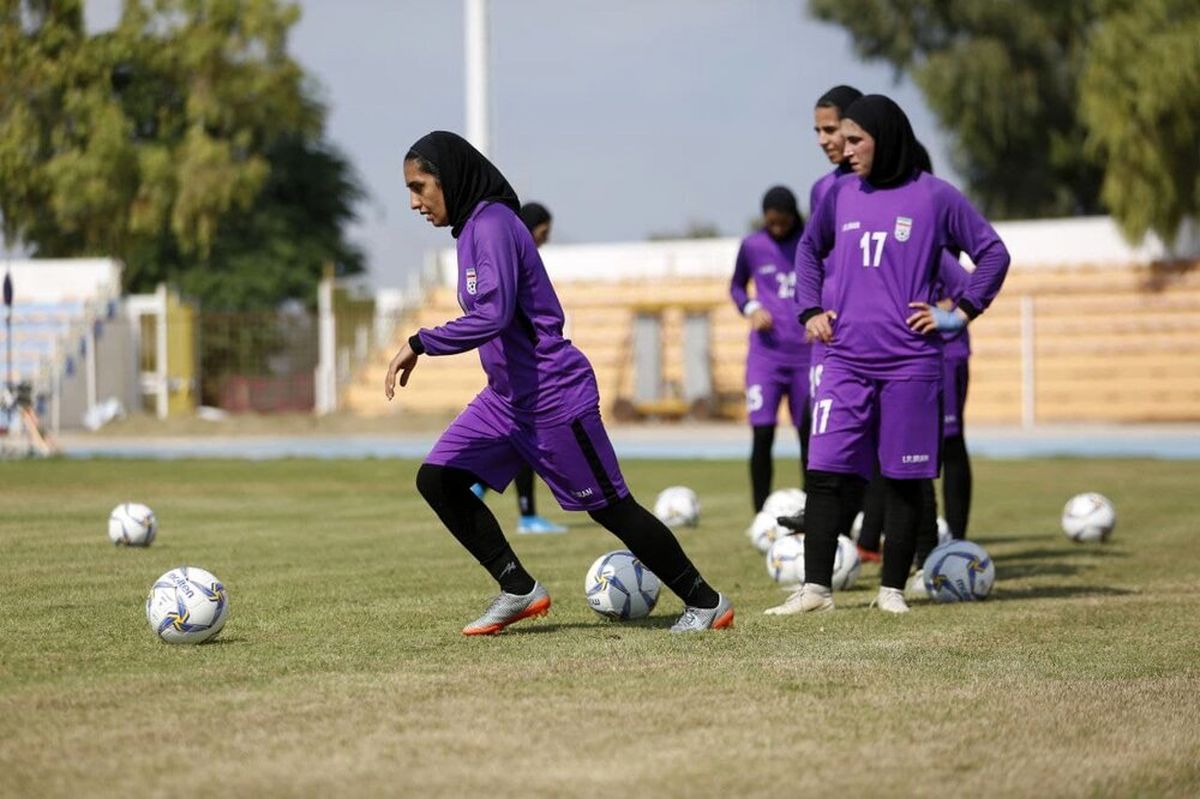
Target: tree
184, 142
1140, 99
1002, 78
1055, 108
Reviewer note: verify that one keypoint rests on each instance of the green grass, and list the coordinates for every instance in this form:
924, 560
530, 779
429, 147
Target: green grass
342, 672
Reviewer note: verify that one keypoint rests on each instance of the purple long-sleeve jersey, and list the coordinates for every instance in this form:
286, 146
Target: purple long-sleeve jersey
885, 246
512, 315
771, 265
952, 282
815, 195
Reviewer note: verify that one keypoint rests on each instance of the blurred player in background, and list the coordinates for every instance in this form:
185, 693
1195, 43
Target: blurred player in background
880, 233
541, 405
777, 360
538, 221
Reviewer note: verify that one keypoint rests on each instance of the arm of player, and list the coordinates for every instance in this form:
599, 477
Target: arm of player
495, 294
815, 245
403, 363
760, 318
974, 235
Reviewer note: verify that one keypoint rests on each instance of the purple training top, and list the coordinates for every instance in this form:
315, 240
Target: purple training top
513, 316
885, 247
952, 282
771, 265
815, 195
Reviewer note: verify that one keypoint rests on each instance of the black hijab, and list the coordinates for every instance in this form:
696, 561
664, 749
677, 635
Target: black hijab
467, 178
534, 214
780, 198
896, 148
839, 97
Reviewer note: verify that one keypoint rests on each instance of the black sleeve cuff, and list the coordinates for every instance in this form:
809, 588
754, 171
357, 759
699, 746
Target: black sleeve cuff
414, 344
970, 310
809, 313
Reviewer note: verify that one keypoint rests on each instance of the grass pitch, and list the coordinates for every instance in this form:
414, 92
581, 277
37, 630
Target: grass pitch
341, 671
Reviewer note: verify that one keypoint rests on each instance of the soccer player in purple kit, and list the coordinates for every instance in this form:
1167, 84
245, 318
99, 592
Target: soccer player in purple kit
541, 405
538, 221
777, 360
956, 353
880, 232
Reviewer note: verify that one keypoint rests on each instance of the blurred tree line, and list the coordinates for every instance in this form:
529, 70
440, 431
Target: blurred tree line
1054, 108
185, 142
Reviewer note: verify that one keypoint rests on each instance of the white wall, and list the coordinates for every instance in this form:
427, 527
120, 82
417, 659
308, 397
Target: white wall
1046, 243
55, 280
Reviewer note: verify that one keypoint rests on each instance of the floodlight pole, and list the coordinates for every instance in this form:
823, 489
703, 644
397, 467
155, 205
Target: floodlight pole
8, 304
478, 124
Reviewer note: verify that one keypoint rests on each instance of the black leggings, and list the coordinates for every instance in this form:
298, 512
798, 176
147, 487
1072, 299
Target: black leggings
831, 497
448, 492
762, 465
524, 484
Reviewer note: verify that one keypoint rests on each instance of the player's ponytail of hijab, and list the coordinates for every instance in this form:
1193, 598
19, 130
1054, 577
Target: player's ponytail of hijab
897, 152
467, 177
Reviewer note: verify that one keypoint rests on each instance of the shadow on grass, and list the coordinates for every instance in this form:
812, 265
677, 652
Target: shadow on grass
1016, 571
1056, 592
600, 626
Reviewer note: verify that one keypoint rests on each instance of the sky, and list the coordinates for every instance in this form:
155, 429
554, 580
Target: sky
624, 117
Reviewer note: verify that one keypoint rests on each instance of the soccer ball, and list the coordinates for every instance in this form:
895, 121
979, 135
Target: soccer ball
678, 506
620, 587
846, 565
856, 526
132, 523
764, 531
943, 530
1088, 517
785, 560
960, 571
187, 605
785, 502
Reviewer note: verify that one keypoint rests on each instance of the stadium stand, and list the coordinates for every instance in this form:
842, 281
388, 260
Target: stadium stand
61, 311
1065, 341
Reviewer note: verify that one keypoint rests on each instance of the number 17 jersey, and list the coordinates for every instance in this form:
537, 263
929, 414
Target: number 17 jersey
885, 246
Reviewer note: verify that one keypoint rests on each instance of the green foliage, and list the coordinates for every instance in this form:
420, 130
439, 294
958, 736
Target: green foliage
1002, 79
185, 142
1140, 98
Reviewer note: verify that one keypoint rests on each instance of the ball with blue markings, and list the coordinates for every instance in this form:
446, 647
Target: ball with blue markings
187, 605
132, 524
960, 571
618, 586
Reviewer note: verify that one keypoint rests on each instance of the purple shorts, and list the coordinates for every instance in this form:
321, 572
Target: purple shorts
574, 457
955, 374
857, 419
767, 382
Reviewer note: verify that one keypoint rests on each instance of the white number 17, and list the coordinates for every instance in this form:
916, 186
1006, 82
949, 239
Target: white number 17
864, 244
820, 419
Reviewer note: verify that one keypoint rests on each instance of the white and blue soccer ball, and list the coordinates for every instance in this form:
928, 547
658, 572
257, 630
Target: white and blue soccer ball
1089, 517
785, 562
960, 571
943, 532
764, 531
132, 524
847, 565
187, 605
678, 506
785, 502
620, 587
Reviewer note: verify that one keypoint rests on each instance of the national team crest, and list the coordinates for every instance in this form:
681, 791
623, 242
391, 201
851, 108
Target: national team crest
471, 280
903, 228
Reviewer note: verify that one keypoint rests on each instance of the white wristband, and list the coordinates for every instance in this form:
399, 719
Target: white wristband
749, 308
